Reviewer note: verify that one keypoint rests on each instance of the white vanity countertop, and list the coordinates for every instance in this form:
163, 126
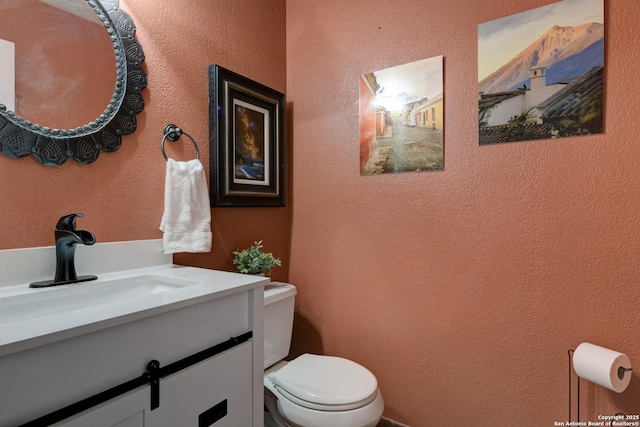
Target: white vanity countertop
25, 333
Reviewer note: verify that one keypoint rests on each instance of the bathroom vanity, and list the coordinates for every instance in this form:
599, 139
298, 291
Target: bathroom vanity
152, 343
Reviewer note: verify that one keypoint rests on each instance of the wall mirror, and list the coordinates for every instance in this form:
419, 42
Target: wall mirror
78, 79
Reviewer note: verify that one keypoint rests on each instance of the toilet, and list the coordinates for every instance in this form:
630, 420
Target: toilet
311, 390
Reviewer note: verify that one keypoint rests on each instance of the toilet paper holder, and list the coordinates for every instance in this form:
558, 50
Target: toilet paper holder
597, 364
622, 371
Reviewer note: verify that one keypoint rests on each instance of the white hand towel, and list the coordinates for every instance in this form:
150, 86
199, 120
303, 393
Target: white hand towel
186, 221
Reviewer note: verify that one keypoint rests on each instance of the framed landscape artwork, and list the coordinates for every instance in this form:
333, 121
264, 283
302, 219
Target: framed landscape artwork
541, 73
401, 118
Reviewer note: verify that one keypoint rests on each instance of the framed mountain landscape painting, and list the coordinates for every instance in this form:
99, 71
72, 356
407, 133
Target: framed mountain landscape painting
541, 73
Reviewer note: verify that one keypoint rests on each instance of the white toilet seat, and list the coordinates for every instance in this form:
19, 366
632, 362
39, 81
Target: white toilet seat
326, 383
320, 391
328, 408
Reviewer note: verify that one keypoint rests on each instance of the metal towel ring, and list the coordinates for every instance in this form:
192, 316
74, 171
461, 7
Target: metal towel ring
173, 133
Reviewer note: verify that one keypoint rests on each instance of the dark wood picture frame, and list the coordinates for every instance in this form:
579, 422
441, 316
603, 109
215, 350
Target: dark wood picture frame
246, 140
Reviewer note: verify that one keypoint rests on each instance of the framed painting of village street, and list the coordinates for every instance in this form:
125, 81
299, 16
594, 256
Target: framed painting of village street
541, 73
401, 118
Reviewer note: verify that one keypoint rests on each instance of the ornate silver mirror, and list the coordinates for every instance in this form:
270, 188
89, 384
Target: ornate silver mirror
77, 84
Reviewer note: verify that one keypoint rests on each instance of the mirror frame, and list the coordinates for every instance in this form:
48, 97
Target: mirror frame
52, 147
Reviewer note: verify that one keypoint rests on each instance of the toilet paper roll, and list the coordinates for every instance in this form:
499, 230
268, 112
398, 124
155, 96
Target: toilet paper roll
601, 365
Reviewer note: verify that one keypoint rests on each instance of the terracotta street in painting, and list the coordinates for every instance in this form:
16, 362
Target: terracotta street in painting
405, 149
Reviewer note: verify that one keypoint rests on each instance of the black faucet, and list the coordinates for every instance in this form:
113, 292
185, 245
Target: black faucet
67, 237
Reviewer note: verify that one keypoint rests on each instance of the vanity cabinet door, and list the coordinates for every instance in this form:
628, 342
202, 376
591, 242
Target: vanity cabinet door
216, 392
196, 396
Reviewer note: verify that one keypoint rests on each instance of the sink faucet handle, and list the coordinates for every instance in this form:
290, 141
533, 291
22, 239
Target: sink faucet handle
68, 222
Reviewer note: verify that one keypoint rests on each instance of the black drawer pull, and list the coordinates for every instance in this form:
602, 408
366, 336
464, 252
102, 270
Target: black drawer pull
213, 414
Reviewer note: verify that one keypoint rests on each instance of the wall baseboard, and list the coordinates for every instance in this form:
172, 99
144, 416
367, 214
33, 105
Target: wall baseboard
385, 422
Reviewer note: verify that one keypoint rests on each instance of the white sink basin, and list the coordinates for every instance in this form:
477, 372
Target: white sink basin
39, 303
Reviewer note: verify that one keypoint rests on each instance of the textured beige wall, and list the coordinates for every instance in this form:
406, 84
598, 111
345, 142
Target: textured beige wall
461, 290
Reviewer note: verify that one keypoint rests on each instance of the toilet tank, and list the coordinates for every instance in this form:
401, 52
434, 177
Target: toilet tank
279, 304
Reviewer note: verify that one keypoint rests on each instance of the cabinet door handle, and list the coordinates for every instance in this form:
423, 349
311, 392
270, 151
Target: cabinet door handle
213, 414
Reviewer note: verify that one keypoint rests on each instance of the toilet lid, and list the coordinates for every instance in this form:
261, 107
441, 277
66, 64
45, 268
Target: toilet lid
326, 380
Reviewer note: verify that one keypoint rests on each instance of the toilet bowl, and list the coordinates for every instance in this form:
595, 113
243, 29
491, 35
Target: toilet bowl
312, 390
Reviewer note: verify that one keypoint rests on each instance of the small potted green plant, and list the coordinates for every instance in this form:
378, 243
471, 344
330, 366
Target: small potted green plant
254, 261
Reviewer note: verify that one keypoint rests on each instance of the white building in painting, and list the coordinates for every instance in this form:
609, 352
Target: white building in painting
503, 106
